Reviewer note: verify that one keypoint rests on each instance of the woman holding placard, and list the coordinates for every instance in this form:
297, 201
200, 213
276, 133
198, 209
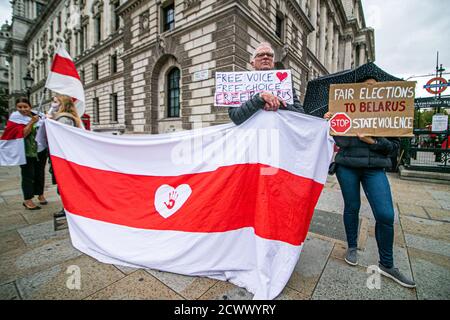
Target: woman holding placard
362, 160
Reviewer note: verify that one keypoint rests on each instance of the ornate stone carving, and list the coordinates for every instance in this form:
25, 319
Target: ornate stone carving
97, 7
73, 19
59, 40
348, 37
265, 6
43, 40
144, 22
188, 4
84, 20
161, 44
295, 37
51, 50
284, 52
67, 34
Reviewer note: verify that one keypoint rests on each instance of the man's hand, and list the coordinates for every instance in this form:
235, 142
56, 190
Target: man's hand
366, 139
272, 103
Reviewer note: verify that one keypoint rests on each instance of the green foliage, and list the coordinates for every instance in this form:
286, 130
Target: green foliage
3, 107
423, 118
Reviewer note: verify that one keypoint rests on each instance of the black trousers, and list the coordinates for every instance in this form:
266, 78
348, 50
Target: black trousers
33, 175
50, 169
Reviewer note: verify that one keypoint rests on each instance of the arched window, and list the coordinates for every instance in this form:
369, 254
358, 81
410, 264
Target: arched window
173, 93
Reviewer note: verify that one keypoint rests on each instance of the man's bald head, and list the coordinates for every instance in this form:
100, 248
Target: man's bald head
263, 57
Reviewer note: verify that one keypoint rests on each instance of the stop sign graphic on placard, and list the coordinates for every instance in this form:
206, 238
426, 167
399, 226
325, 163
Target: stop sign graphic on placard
340, 123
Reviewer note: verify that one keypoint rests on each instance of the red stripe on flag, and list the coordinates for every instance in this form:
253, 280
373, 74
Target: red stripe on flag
13, 131
64, 66
278, 207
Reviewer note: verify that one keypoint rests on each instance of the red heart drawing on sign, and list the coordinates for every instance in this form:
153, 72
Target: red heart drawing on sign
282, 76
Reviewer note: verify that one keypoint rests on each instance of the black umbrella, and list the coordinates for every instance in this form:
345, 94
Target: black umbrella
316, 99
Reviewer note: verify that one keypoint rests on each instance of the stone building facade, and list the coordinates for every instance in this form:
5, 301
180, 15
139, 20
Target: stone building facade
149, 65
5, 33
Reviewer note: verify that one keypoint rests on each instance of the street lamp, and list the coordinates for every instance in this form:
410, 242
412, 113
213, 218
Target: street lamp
28, 83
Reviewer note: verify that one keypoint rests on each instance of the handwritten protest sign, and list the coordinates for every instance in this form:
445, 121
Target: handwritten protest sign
235, 88
383, 109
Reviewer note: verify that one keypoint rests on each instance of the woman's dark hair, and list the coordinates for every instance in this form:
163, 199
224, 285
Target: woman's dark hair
369, 77
23, 100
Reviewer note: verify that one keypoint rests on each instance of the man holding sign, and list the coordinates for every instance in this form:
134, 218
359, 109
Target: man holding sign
263, 60
372, 112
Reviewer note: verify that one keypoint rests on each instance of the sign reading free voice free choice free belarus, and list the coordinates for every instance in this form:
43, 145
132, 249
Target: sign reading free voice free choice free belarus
235, 88
382, 109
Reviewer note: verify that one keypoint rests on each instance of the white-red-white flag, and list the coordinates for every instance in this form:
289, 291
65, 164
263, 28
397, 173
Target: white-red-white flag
63, 78
228, 202
12, 147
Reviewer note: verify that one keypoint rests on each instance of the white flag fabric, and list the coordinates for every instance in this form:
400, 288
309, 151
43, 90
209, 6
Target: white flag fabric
228, 202
63, 78
12, 143
12, 146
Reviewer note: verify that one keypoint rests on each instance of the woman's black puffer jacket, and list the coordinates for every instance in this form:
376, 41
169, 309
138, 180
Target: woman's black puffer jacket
358, 154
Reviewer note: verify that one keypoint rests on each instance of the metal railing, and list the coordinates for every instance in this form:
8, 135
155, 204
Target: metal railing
428, 150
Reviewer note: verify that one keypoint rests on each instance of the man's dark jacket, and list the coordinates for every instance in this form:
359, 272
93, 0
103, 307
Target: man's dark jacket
247, 109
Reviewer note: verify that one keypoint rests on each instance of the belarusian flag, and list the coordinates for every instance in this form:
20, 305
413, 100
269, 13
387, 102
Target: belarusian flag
228, 202
63, 78
12, 146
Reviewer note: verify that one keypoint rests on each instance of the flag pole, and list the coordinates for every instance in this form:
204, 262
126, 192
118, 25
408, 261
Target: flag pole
39, 109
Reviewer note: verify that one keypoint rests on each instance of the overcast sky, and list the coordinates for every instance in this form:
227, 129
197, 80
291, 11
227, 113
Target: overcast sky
5, 11
408, 33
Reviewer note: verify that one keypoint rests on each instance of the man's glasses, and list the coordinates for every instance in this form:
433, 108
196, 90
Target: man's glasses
262, 54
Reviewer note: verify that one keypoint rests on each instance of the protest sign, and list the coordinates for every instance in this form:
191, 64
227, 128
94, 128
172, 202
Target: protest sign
235, 88
383, 109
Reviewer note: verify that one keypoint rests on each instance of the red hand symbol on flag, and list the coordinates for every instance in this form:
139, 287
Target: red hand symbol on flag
172, 197
177, 197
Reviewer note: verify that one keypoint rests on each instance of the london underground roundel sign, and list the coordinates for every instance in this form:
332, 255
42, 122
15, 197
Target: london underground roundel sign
340, 123
436, 85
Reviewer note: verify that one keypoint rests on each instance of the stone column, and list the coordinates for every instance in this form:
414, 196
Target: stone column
348, 52
330, 36
312, 35
322, 35
362, 53
335, 51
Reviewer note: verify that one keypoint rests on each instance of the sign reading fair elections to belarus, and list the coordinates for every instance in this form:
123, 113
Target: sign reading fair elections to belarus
235, 88
382, 109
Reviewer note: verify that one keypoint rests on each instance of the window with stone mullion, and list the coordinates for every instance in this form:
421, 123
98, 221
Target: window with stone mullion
169, 17
114, 108
116, 20
174, 93
96, 113
98, 28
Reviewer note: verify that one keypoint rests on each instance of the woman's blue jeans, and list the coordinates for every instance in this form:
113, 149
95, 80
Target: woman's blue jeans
378, 192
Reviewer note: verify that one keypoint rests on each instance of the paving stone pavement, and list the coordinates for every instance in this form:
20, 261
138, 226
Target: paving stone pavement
37, 262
